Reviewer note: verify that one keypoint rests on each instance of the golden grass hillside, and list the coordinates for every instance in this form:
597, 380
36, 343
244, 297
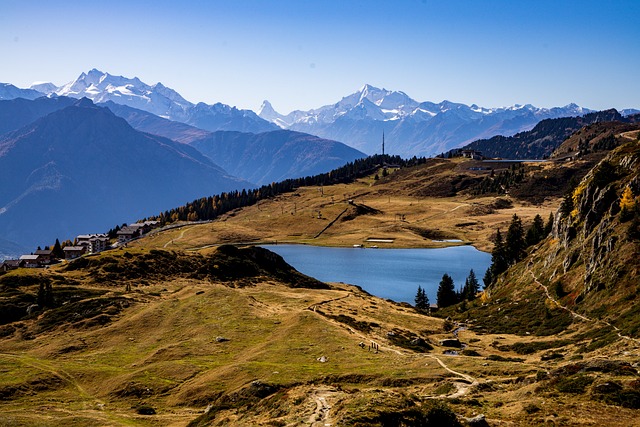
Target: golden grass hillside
414, 207
256, 349
181, 329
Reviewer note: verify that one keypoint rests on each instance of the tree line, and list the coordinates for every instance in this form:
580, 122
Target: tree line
447, 294
506, 252
501, 182
513, 248
210, 208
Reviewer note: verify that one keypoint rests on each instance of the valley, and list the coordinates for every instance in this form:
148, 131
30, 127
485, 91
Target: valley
183, 328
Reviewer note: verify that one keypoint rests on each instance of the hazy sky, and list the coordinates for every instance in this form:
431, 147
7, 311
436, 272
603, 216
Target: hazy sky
304, 54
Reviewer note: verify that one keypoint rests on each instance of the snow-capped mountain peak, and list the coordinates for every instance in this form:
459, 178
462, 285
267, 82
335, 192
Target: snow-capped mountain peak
267, 112
44, 87
160, 100
420, 128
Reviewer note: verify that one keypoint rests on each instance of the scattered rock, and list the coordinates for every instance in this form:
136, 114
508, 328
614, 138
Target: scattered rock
322, 359
32, 309
222, 339
477, 421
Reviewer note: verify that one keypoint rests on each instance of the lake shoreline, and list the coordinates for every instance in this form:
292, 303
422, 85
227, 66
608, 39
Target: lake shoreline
388, 273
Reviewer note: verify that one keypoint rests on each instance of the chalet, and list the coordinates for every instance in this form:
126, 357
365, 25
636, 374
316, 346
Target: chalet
94, 243
145, 226
46, 256
31, 261
73, 252
472, 154
11, 264
128, 233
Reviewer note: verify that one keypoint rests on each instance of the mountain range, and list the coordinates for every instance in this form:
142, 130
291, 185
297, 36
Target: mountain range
157, 99
70, 157
82, 169
290, 154
545, 137
261, 158
411, 127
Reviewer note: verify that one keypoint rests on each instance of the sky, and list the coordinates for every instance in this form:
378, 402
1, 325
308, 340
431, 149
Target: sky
301, 54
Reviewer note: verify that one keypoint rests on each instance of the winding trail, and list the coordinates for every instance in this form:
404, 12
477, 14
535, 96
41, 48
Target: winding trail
321, 416
442, 213
553, 300
462, 387
578, 315
60, 373
170, 242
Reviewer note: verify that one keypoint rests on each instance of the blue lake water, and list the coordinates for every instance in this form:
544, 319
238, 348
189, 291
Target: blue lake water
387, 273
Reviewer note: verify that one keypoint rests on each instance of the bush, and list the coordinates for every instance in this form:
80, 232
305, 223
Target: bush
145, 409
575, 384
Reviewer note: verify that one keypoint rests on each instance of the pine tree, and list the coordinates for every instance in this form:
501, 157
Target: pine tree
549, 225
446, 295
471, 287
499, 261
535, 233
515, 243
57, 251
488, 278
421, 300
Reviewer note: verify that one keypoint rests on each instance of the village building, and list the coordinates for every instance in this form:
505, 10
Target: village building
145, 226
128, 233
93, 243
11, 264
46, 256
73, 252
31, 261
472, 154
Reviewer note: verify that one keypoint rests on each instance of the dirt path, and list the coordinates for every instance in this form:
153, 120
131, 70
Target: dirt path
42, 366
442, 213
553, 300
462, 388
330, 224
578, 315
321, 417
170, 242
313, 307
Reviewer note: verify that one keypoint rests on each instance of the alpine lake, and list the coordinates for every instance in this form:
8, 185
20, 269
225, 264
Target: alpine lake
387, 273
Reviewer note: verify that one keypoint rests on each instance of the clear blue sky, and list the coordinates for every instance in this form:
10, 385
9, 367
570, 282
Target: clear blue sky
304, 54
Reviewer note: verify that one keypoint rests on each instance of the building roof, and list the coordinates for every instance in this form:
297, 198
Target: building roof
73, 248
91, 236
12, 262
29, 257
128, 230
43, 252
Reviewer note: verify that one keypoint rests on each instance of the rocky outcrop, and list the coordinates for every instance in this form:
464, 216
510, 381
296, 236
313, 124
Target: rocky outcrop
591, 250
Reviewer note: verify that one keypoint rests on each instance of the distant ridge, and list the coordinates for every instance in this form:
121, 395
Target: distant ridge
159, 100
544, 138
274, 156
412, 127
82, 169
260, 158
